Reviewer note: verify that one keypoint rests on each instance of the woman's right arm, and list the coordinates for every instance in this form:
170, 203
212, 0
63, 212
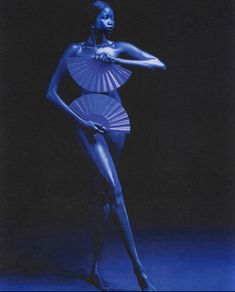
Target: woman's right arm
52, 92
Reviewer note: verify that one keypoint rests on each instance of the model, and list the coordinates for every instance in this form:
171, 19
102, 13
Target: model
102, 147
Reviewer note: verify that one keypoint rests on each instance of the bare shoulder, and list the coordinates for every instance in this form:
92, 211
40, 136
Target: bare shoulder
133, 51
122, 43
73, 49
124, 46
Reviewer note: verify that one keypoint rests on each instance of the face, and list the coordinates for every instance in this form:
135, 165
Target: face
105, 20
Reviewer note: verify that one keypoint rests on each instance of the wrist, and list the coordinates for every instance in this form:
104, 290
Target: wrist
117, 61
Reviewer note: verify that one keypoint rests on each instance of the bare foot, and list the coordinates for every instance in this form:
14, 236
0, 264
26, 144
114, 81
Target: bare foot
144, 282
98, 281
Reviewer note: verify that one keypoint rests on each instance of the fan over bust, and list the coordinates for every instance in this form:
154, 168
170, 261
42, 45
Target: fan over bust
95, 75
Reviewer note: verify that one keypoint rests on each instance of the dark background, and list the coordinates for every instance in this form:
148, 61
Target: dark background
178, 165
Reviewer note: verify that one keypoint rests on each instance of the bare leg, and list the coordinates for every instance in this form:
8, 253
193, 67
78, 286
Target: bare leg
102, 211
101, 216
120, 218
99, 154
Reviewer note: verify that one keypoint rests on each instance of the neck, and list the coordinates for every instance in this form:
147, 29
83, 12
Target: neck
97, 37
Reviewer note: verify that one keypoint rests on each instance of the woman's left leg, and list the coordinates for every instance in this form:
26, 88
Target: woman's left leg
120, 217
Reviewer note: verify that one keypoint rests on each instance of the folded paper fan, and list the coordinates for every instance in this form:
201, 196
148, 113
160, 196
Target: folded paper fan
104, 110
95, 75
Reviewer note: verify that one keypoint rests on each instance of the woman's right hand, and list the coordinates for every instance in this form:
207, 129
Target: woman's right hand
104, 57
94, 127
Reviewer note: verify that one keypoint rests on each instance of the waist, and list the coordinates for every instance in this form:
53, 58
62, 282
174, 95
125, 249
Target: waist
114, 94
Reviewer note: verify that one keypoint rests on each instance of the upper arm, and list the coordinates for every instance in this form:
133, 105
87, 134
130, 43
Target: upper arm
62, 65
134, 51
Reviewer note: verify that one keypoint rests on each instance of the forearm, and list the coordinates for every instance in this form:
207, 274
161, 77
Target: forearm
53, 96
148, 63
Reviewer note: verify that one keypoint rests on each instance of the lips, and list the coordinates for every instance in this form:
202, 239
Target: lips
109, 29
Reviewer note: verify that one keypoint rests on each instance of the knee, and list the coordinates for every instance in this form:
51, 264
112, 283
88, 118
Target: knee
116, 196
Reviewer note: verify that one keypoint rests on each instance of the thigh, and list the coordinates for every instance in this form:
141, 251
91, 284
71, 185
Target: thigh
97, 150
116, 142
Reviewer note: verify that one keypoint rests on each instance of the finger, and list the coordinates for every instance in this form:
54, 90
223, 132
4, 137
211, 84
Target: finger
98, 57
99, 130
100, 127
107, 58
103, 57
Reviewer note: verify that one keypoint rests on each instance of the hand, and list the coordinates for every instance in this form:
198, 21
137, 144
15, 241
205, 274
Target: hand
105, 58
94, 127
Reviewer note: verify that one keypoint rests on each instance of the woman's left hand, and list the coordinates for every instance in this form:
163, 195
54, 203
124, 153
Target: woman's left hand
104, 57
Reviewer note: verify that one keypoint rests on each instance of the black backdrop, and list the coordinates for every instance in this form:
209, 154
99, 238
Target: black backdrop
177, 168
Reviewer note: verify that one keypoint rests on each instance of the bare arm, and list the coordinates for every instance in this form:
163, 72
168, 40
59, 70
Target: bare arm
143, 59
52, 92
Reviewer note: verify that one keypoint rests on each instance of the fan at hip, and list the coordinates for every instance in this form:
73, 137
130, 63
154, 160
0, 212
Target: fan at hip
104, 110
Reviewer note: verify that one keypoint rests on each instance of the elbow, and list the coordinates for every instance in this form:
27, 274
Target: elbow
50, 94
157, 64
162, 67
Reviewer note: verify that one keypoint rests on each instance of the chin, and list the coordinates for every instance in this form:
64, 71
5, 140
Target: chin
109, 31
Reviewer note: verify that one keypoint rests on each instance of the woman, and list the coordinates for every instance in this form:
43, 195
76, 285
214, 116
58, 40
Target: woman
104, 148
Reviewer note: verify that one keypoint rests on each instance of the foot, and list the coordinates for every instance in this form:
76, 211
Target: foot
144, 282
98, 281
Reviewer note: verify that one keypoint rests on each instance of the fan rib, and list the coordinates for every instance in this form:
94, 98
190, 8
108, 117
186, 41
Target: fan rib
123, 70
123, 116
109, 108
119, 124
113, 79
114, 114
77, 106
112, 111
85, 107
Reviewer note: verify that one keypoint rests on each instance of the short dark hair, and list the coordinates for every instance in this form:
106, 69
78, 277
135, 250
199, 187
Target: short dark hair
100, 5
97, 7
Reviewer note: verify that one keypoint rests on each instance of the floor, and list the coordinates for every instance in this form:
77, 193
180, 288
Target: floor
174, 260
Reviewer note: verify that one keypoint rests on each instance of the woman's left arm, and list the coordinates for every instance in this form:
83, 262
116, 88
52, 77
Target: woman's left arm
143, 59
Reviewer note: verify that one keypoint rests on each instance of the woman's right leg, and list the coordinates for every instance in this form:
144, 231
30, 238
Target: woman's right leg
101, 215
100, 218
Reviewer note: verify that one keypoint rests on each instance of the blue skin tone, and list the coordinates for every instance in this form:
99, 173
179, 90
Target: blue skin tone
104, 148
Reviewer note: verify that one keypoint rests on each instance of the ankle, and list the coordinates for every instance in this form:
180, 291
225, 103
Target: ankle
138, 268
95, 271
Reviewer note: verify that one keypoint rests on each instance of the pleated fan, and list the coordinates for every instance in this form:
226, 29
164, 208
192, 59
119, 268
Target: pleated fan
104, 110
95, 75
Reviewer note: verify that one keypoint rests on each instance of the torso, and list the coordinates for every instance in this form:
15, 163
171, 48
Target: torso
111, 49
